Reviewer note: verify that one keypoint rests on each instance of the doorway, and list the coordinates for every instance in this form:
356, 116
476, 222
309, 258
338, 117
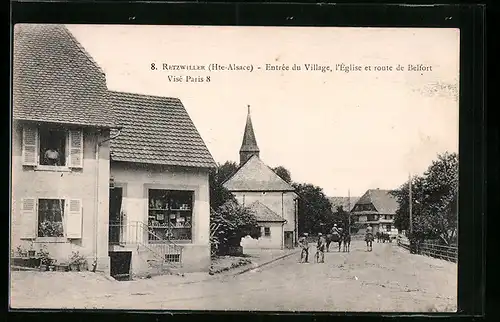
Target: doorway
289, 239
120, 265
115, 215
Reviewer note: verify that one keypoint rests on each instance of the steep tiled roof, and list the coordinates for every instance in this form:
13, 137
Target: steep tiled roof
254, 175
383, 201
263, 213
343, 201
55, 80
157, 130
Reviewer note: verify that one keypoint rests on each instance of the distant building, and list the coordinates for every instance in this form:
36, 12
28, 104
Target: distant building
346, 203
375, 208
273, 200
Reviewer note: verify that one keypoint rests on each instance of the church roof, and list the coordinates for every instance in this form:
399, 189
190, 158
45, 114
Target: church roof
383, 201
249, 143
255, 175
263, 213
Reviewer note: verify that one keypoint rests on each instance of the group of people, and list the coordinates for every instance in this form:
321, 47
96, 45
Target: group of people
322, 244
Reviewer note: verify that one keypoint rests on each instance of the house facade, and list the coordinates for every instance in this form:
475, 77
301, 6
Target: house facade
273, 200
159, 207
375, 208
60, 147
121, 178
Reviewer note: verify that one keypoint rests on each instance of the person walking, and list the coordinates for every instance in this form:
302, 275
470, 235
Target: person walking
320, 257
304, 245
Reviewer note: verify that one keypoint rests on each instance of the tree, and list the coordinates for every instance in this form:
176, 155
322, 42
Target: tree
234, 222
218, 194
283, 173
341, 218
434, 201
226, 170
315, 210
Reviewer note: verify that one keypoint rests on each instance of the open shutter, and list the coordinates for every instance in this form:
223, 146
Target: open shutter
28, 218
75, 149
74, 219
30, 145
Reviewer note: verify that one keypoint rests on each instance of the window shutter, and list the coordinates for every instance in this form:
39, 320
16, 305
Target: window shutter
30, 145
75, 149
28, 218
74, 219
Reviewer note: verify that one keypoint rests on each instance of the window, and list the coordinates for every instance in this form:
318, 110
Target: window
267, 232
170, 215
52, 147
50, 218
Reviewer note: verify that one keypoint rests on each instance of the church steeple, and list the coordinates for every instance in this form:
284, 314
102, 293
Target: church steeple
249, 145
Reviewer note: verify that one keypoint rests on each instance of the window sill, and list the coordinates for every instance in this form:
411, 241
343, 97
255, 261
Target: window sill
51, 168
51, 240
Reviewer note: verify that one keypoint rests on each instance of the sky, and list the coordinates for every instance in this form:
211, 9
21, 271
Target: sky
343, 131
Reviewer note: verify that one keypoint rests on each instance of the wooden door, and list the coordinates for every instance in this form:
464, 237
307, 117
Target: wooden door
289, 239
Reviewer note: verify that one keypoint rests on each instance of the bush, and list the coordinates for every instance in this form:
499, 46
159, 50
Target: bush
233, 222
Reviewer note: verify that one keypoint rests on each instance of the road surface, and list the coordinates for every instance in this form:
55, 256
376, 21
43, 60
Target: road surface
387, 279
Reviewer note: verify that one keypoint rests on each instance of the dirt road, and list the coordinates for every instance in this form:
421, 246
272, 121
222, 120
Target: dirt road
388, 279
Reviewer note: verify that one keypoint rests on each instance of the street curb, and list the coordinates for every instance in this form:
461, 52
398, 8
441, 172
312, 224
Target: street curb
265, 263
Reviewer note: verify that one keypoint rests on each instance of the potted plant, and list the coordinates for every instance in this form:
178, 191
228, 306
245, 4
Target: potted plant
77, 262
21, 251
45, 260
51, 229
31, 251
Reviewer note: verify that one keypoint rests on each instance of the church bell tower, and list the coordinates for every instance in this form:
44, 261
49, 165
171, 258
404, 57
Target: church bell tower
249, 145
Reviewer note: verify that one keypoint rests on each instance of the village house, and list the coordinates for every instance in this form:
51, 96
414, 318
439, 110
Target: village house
159, 208
272, 199
375, 208
121, 178
60, 146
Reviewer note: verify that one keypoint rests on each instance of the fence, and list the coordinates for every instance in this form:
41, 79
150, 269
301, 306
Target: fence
432, 249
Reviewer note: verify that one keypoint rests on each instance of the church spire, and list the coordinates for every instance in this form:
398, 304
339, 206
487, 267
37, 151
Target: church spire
249, 145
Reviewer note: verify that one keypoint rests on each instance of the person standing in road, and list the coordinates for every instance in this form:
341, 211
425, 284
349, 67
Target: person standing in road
321, 248
304, 245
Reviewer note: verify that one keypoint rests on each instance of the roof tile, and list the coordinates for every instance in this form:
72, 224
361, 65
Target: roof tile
254, 175
383, 201
55, 80
157, 130
263, 213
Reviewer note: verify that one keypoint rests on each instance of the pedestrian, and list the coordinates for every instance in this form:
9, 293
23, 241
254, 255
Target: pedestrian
320, 249
304, 245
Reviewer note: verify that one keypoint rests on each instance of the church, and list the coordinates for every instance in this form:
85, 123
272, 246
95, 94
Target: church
273, 200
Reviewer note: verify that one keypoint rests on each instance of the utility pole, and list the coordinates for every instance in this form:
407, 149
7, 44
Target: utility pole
349, 209
410, 203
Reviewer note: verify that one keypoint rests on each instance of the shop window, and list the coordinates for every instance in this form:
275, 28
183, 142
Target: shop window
170, 215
